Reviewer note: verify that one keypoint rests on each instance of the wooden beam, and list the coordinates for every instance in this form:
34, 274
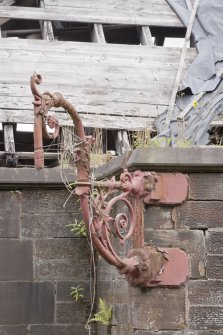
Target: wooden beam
217, 123
121, 137
89, 120
7, 2
9, 138
46, 27
97, 35
189, 5
146, 36
9, 144
121, 142
30, 155
149, 17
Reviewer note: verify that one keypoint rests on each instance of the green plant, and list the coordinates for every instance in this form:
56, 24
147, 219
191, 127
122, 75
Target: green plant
75, 292
141, 139
104, 315
78, 228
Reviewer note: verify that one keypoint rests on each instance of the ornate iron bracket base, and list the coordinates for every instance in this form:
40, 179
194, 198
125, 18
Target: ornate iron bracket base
143, 266
158, 267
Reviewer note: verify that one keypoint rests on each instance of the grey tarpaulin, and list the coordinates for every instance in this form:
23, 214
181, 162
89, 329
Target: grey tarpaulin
201, 75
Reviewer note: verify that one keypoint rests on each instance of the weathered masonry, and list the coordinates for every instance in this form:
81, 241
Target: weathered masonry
40, 259
108, 58
196, 227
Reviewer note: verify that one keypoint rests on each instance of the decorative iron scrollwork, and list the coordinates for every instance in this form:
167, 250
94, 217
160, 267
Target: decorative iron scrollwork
143, 266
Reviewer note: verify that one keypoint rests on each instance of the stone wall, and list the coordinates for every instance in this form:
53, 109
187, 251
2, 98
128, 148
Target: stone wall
195, 308
39, 261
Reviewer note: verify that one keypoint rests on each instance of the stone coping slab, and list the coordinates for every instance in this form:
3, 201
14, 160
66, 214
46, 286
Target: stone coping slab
208, 159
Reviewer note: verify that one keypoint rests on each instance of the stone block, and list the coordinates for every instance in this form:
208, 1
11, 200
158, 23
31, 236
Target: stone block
70, 312
59, 330
214, 242
120, 291
16, 260
120, 314
105, 290
9, 213
61, 269
205, 292
190, 241
113, 291
206, 318
157, 309
214, 267
206, 186
48, 224
103, 330
26, 303
122, 330
183, 332
158, 217
189, 215
13, 330
62, 248
62, 259
48, 201
106, 272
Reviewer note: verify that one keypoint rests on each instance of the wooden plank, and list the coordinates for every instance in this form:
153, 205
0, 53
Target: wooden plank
189, 5
89, 120
46, 27
9, 142
7, 2
110, 73
121, 142
114, 104
154, 15
88, 50
89, 106
121, 138
97, 35
145, 36
30, 155
217, 123
129, 85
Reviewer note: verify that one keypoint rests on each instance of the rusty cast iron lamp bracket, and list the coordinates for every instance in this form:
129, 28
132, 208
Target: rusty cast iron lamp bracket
143, 265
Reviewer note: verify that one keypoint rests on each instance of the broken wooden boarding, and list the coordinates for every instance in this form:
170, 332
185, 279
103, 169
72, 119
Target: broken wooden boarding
152, 13
115, 80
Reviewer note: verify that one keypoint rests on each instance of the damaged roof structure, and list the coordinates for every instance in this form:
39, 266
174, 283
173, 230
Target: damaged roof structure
199, 100
110, 60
